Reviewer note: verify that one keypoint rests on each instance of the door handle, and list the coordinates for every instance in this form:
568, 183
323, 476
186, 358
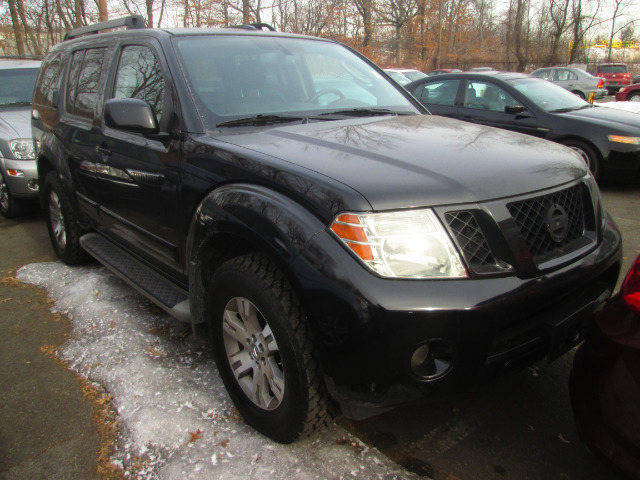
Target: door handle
103, 151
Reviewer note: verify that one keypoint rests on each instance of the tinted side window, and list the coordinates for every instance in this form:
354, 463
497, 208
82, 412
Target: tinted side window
72, 84
48, 81
84, 80
440, 93
486, 96
140, 76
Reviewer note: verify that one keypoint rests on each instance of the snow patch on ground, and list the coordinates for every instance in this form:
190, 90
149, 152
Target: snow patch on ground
173, 410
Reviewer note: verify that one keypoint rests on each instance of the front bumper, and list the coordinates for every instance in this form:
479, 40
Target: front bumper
368, 329
623, 163
25, 183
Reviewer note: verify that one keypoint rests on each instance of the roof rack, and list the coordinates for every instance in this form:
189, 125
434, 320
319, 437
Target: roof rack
253, 26
131, 22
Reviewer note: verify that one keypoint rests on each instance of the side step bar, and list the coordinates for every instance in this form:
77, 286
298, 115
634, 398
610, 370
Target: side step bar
151, 284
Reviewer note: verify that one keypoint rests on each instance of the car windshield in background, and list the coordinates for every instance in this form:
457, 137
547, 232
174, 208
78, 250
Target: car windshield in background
254, 76
548, 96
16, 86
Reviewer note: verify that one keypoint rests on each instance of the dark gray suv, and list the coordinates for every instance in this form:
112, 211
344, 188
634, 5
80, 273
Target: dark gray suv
343, 247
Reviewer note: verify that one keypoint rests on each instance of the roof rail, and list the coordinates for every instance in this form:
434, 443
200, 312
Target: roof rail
131, 22
253, 26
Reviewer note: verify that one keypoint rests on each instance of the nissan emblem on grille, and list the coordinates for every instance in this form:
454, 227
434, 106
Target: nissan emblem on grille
557, 222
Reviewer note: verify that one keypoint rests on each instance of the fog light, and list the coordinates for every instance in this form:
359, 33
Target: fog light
33, 184
432, 360
15, 173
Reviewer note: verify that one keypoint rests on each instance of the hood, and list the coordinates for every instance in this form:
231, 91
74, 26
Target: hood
15, 123
609, 117
420, 160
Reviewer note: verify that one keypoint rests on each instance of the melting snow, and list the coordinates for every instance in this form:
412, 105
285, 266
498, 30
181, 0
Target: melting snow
173, 410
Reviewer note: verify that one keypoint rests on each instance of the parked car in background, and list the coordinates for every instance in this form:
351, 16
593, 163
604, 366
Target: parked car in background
410, 73
576, 80
630, 93
397, 77
616, 75
636, 79
605, 381
18, 175
443, 71
607, 139
482, 69
354, 252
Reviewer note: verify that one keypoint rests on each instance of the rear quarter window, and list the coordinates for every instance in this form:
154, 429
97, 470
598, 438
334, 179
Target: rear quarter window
84, 79
48, 81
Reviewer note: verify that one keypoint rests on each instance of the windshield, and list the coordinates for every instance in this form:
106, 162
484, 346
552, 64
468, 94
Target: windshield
546, 95
239, 76
16, 85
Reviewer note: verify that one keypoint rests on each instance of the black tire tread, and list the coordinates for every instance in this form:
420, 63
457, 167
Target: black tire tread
73, 254
321, 408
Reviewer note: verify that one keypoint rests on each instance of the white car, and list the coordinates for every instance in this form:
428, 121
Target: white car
18, 175
410, 73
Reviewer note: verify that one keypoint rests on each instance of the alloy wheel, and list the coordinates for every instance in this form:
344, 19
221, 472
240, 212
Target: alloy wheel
57, 220
253, 354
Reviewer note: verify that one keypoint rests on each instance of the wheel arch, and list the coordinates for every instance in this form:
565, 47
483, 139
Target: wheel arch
237, 219
593, 145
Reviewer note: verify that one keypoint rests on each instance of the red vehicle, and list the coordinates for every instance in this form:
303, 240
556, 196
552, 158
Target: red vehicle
630, 93
605, 381
616, 75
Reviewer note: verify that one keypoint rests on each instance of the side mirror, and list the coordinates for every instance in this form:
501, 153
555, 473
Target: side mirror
514, 109
130, 114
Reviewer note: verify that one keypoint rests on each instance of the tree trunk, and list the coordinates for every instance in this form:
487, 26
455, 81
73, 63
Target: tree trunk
103, 11
17, 30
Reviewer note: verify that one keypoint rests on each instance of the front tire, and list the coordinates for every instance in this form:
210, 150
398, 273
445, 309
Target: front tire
588, 154
634, 97
263, 349
62, 223
10, 207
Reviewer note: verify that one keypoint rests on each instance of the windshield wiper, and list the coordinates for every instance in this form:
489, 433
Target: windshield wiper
362, 112
16, 104
258, 120
562, 110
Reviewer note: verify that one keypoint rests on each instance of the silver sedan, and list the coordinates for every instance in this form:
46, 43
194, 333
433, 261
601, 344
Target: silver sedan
575, 80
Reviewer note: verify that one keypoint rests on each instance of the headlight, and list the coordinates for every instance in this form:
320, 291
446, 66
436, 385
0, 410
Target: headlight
408, 244
623, 139
22, 149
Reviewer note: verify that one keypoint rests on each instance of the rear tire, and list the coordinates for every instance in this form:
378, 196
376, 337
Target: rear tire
579, 94
588, 154
263, 350
62, 223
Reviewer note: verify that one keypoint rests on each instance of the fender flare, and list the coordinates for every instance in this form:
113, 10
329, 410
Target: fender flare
267, 220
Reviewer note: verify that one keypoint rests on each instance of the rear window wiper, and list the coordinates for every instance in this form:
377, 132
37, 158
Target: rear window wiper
258, 120
361, 112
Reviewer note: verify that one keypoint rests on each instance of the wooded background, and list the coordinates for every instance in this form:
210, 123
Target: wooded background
425, 34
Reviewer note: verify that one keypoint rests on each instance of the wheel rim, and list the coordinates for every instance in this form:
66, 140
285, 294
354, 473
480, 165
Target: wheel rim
584, 156
634, 98
253, 354
57, 220
4, 197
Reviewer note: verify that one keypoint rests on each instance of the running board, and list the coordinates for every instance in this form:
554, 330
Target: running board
152, 285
